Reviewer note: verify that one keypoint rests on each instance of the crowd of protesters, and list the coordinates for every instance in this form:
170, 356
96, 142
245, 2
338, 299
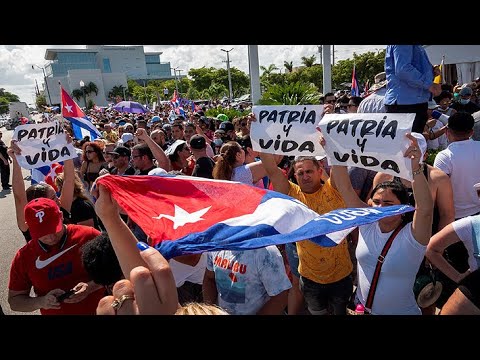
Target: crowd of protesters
84, 255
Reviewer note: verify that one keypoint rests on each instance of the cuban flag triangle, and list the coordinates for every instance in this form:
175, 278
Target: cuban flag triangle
46, 174
186, 215
81, 124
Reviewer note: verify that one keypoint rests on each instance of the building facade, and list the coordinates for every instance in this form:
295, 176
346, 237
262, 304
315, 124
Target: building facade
105, 66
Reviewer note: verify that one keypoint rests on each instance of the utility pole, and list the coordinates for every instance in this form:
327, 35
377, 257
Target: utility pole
320, 49
333, 55
229, 76
180, 80
175, 75
327, 70
145, 89
255, 94
46, 83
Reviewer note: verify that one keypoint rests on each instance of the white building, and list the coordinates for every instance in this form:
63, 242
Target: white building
105, 66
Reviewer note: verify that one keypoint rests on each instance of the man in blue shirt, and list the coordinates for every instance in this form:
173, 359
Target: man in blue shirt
410, 82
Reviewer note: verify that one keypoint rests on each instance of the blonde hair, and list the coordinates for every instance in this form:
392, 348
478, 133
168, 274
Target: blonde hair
200, 309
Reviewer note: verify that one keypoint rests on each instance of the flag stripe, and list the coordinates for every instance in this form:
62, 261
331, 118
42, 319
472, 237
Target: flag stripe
168, 208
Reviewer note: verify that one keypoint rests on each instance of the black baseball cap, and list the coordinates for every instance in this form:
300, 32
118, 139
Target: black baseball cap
226, 126
121, 151
198, 142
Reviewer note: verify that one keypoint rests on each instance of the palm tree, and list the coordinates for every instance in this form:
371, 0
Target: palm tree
92, 88
117, 90
308, 61
269, 70
77, 94
288, 66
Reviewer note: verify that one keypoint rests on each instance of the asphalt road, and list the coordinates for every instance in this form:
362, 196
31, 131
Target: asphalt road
11, 239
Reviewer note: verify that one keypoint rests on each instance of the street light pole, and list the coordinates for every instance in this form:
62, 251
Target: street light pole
46, 83
320, 49
175, 75
82, 86
229, 76
180, 80
145, 89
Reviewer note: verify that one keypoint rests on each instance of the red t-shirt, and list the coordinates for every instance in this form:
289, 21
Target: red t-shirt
59, 267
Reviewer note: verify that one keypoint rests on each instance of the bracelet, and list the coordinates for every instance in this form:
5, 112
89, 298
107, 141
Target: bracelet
419, 170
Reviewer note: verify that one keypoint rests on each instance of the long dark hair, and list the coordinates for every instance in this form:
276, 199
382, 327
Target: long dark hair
400, 191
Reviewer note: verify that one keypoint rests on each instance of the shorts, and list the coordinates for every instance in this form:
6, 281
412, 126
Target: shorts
470, 287
292, 257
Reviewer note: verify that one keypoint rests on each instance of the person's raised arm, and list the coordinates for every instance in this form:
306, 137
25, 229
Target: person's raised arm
259, 171
444, 198
340, 180
68, 187
123, 241
423, 215
279, 181
162, 159
18, 187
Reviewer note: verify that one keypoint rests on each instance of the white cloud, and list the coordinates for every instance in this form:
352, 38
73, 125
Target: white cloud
17, 76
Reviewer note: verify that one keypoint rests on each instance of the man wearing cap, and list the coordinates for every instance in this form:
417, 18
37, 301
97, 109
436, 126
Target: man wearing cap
51, 264
460, 161
409, 82
374, 103
229, 129
203, 163
463, 102
121, 161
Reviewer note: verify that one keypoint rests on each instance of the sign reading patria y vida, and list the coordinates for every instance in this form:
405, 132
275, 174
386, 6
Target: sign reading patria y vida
42, 144
288, 130
370, 141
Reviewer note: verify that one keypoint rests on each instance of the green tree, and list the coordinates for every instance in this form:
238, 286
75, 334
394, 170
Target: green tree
40, 101
117, 90
291, 94
6, 98
288, 66
202, 77
308, 61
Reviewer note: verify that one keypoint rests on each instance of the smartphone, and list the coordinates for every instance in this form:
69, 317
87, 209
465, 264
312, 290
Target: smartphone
65, 295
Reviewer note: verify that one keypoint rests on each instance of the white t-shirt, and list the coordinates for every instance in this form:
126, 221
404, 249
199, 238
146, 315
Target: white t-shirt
394, 294
463, 228
460, 160
183, 272
247, 279
439, 143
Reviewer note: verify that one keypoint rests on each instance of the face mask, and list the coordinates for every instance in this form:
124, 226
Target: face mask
464, 101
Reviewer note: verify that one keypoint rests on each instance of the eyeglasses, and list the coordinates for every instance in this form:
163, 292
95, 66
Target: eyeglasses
330, 101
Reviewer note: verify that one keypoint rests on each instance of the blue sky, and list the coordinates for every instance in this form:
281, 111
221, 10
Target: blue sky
17, 76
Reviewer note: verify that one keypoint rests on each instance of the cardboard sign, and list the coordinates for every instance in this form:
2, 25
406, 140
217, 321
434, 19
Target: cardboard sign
371, 141
42, 144
287, 130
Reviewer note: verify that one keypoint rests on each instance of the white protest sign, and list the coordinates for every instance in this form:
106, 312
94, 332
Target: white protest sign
288, 130
42, 144
371, 141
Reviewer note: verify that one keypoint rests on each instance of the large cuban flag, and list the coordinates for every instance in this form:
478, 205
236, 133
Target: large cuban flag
81, 124
185, 215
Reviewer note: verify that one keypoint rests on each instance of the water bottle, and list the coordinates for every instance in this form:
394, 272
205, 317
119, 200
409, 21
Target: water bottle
441, 117
359, 309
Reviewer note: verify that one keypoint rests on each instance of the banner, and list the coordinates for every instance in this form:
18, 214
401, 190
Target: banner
371, 141
42, 144
288, 130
